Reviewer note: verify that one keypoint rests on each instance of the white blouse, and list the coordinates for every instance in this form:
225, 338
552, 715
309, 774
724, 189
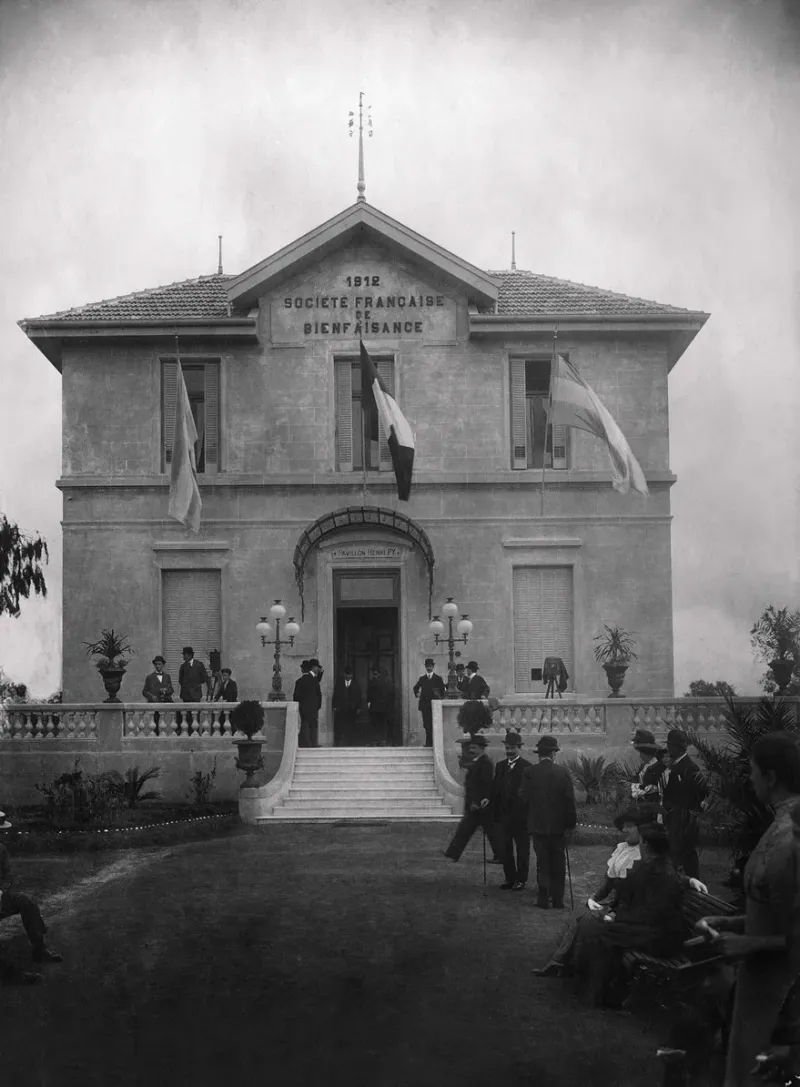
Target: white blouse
623, 858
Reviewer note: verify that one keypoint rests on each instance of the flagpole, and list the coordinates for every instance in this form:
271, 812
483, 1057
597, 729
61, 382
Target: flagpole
547, 413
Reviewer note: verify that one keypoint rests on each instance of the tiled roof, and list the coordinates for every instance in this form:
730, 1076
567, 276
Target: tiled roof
521, 294
203, 298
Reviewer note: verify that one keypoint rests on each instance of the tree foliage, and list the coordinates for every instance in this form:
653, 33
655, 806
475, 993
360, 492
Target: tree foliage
727, 768
21, 560
776, 635
701, 688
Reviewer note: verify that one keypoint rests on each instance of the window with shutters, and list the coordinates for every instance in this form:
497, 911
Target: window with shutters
542, 622
361, 441
532, 444
191, 614
202, 386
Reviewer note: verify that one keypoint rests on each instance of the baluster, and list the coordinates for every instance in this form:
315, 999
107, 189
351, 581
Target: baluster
50, 727
204, 724
637, 718
150, 724
91, 724
216, 728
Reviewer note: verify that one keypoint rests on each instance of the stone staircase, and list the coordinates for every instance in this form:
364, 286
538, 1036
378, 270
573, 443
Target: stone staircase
362, 783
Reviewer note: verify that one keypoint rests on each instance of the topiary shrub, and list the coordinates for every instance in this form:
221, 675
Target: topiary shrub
473, 716
248, 717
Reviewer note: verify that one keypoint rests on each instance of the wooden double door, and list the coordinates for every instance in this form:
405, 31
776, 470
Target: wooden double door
366, 635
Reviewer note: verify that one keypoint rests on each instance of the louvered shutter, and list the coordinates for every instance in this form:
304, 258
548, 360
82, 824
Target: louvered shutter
519, 435
560, 438
385, 368
211, 391
344, 415
542, 621
169, 374
191, 605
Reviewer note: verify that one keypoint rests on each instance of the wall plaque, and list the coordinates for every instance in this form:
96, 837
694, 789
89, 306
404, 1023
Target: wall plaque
367, 551
364, 301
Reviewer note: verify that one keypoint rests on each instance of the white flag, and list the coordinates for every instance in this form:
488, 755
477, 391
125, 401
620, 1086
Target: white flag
184, 494
573, 403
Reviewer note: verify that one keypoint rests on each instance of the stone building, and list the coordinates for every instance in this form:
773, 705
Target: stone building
299, 500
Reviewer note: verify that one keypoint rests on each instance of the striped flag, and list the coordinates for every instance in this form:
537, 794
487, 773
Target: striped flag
184, 494
400, 436
573, 403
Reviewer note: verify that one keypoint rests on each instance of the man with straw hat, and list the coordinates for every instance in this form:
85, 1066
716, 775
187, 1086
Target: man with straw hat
12, 903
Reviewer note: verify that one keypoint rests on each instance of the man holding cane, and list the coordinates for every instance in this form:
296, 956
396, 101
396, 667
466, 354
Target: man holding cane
477, 790
550, 795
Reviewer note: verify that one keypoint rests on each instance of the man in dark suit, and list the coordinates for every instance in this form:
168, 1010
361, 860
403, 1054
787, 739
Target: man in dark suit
228, 691
477, 799
158, 685
192, 677
510, 811
14, 904
462, 681
683, 793
346, 704
550, 797
428, 686
380, 702
477, 687
309, 698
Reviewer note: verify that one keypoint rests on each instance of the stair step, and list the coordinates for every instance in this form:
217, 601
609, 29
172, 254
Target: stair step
332, 811
357, 796
353, 782
350, 817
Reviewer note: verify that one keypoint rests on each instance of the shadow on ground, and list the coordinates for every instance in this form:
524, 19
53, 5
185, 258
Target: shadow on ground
308, 955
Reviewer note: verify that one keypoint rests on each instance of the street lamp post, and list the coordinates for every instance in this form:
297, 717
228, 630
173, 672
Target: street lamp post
464, 628
290, 630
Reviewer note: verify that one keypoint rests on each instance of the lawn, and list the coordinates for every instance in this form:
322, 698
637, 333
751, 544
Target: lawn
306, 954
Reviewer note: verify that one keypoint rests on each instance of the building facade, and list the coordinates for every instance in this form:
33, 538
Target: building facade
299, 498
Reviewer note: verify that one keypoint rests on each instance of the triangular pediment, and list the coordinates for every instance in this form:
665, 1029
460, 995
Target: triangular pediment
361, 222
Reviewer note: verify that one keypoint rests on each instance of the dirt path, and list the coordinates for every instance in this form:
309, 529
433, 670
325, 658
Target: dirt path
310, 955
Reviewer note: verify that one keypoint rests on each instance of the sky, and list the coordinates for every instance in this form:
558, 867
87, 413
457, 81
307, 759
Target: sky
643, 147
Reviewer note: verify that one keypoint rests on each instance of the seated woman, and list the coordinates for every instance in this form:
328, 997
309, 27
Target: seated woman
647, 918
619, 864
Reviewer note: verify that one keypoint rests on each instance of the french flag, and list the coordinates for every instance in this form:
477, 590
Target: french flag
400, 435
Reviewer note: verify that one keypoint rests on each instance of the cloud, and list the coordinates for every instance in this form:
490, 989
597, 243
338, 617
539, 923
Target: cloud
644, 147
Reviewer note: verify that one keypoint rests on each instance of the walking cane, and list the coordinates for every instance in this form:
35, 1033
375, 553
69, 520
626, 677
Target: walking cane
569, 876
484, 854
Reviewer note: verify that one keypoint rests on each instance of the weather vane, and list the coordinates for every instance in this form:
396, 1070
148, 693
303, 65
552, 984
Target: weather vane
351, 125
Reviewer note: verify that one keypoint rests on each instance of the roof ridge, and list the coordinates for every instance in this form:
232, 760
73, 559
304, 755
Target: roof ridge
589, 288
134, 294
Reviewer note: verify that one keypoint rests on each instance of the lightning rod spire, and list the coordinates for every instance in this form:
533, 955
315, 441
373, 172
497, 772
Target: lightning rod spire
361, 183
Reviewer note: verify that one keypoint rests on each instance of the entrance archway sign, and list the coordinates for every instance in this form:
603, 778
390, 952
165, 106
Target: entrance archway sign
354, 517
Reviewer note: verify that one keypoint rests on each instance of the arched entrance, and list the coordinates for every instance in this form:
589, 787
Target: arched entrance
370, 593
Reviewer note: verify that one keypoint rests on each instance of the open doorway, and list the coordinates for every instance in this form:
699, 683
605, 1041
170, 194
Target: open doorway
367, 635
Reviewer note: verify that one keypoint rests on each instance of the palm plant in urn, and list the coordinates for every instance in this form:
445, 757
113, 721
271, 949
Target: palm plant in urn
248, 718
614, 650
110, 650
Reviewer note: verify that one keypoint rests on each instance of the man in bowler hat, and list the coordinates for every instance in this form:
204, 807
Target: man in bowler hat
682, 795
477, 687
550, 796
428, 686
477, 797
308, 696
346, 704
510, 811
158, 685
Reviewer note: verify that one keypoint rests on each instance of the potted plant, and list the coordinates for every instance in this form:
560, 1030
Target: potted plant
473, 716
110, 649
248, 718
615, 652
775, 639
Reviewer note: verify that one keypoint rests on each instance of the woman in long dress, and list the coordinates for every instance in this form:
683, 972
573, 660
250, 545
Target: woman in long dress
766, 939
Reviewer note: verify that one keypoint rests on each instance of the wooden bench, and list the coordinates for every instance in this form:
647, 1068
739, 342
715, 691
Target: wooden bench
696, 953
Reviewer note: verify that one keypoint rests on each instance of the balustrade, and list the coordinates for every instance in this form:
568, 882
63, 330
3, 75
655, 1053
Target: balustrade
29, 721
198, 720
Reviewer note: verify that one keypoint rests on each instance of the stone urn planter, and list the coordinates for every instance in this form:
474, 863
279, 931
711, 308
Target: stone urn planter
782, 672
248, 718
614, 650
112, 680
109, 651
615, 674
